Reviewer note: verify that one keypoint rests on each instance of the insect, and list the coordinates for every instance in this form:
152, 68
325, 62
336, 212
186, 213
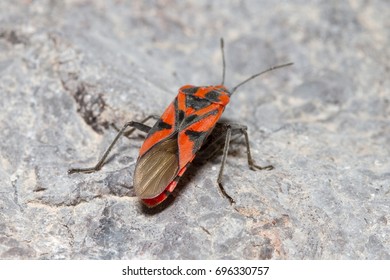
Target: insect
178, 135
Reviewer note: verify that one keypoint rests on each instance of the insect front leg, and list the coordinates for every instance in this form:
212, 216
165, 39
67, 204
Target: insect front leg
98, 166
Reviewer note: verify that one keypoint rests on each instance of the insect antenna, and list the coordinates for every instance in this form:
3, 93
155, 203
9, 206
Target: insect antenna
223, 62
258, 74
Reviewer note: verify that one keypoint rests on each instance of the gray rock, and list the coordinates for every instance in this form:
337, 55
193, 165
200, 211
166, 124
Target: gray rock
70, 69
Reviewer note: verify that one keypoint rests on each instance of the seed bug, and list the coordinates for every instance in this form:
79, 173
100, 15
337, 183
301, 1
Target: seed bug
178, 135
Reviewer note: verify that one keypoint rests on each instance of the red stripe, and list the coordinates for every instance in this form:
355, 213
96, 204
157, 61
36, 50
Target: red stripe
168, 117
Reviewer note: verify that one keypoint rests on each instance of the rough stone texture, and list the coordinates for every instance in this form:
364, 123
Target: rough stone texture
69, 69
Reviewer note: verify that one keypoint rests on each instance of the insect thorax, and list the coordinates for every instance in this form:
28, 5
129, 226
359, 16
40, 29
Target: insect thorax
214, 94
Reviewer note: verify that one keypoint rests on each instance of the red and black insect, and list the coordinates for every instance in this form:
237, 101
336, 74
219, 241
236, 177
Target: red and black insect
178, 135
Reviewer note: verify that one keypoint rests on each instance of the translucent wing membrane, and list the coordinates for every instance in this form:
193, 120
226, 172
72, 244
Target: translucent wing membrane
156, 168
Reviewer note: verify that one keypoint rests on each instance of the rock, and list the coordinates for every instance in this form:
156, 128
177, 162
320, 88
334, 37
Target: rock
71, 69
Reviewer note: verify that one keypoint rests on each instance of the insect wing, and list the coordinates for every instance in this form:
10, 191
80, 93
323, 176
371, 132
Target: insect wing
163, 129
157, 168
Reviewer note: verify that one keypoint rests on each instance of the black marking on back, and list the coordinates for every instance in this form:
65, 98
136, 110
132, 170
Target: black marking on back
191, 119
198, 137
213, 96
179, 115
159, 125
191, 90
196, 102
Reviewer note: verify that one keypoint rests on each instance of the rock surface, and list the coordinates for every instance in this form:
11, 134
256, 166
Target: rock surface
69, 69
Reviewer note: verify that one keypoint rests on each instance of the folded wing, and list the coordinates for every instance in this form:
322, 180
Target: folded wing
156, 168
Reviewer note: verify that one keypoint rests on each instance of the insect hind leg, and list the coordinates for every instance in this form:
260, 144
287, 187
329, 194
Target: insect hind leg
98, 166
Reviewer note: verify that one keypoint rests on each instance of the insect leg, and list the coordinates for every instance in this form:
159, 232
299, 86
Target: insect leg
225, 152
234, 129
251, 162
213, 144
130, 131
135, 125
